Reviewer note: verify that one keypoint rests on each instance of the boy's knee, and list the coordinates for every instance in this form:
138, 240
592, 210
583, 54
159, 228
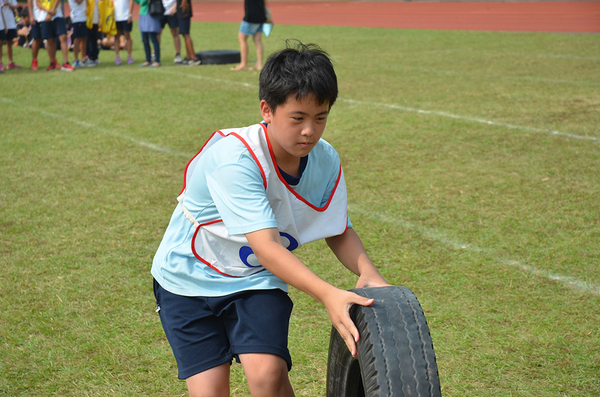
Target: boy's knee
271, 376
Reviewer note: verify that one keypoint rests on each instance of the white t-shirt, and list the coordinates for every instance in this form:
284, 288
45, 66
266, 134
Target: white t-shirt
122, 10
78, 11
40, 15
9, 15
96, 15
168, 4
227, 183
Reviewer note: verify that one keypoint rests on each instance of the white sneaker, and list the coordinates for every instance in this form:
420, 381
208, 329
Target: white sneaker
193, 62
178, 59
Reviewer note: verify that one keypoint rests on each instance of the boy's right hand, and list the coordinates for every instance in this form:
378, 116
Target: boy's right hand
338, 304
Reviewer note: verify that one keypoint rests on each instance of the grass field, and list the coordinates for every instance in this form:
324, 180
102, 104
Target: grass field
473, 166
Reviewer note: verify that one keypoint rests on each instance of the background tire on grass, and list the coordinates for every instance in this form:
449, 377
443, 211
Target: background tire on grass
218, 57
395, 352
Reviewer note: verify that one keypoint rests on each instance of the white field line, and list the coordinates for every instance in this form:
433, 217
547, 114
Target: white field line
432, 234
96, 128
497, 76
421, 111
472, 119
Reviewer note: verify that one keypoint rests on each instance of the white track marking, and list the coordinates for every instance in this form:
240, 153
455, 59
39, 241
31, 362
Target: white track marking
94, 127
472, 119
426, 112
432, 234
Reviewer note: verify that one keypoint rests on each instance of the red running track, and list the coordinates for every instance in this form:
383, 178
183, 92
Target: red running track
559, 16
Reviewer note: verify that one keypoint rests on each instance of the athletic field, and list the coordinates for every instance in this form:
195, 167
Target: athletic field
473, 167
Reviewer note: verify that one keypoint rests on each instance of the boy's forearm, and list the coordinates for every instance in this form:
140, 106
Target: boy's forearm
282, 263
349, 250
267, 247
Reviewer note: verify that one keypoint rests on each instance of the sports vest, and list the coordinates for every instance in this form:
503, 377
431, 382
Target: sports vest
299, 222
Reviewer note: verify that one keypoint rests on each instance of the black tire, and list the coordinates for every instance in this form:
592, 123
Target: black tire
218, 57
395, 352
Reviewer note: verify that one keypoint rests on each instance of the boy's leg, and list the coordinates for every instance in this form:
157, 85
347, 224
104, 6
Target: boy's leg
51, 48
176, 40
260, 50
9, 51
189, 47
83, 48
129, 41
243, 40
117, 46
156, 45
64, 47
147, 51
267, 375
76, 48
211, 383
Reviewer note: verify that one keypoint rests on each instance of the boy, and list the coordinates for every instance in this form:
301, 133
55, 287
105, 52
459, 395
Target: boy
24, 38
80, 31
170, 18
53, 26
8, 8
251, 196
184, 21
255, 15
124, 19
93, 20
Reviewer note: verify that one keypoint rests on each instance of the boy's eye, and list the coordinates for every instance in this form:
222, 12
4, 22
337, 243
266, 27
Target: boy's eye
297, 118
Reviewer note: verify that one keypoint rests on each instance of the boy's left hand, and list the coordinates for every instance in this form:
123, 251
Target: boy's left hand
371, 281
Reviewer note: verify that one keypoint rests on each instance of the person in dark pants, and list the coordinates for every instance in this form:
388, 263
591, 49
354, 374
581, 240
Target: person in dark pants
150, 29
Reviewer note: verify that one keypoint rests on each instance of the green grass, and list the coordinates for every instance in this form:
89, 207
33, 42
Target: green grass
472, 160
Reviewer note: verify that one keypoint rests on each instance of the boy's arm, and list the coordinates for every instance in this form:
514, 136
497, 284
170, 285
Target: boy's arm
41, 7
350, 251
31, 13
269, 251
130, 16
185, 5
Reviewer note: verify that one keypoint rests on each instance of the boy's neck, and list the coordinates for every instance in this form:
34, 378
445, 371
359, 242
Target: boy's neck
290, 166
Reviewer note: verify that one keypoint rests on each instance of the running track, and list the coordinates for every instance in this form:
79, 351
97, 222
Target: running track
559, 16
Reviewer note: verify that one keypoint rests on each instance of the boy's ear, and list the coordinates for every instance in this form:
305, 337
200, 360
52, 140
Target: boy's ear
265, 111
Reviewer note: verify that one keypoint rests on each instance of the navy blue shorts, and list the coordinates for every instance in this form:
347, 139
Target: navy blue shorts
2, 35
169, 19
54, 28
11, 34
184, 25
36, 31
124, 26
205, 332
79, 30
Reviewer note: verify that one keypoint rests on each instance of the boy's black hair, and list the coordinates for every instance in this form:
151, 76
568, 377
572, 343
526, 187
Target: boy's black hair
300, 70
24, 12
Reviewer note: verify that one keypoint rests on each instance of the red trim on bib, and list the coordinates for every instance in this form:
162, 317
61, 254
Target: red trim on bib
198, 256
262, 172
314, 207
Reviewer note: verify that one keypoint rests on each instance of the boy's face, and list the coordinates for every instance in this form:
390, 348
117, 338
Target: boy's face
295, 127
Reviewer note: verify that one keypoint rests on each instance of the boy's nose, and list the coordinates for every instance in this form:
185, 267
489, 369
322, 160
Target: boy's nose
308, 130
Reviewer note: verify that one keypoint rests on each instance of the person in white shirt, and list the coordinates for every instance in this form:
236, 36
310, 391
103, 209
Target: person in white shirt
124, 20
9, 32
49, 14
80, 31
170, 18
